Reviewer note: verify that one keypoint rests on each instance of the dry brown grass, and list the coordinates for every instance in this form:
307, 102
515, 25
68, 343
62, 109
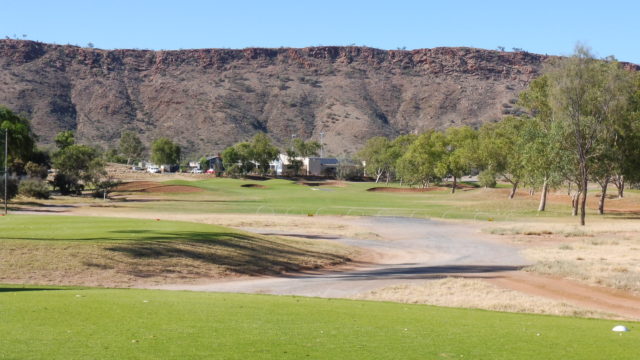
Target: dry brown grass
606, 252
478, 294
143, 263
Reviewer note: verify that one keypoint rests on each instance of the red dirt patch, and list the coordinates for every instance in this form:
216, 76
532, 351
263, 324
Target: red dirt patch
254, 186
154, 187
405, 190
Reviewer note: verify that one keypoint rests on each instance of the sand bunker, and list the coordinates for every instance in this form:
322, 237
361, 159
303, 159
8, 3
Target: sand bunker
322, 183
254, 186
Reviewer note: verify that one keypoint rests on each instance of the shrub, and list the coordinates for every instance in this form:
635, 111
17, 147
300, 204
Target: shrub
487, 178
12, 187
67, 184
35, 171
35, 188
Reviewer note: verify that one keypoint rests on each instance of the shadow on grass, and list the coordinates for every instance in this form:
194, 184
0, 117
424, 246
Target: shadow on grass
16, 289
415, 271
234, 252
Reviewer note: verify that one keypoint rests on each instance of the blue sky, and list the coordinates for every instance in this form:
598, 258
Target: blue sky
546, 27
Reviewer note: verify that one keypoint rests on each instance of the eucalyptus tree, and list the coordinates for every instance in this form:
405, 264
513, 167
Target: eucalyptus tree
21, 139
131, 146
500, 150
588, 98
458, 147
544, 158
419, 163
376, 154
263, 152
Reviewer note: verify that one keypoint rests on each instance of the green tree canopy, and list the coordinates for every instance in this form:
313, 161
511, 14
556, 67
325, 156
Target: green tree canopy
376, 154
20, 136
458, 147
165, 152
77, 164
65, 139
306, 148
589, 101
263, 152
131, 147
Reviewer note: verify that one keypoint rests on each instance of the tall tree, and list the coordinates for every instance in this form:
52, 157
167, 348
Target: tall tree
543, 157
77, 165
306, 148
376, 155
20, 136
588, 98
458, 146
164, 151
500, 150
263, 152
131, 146
419, 164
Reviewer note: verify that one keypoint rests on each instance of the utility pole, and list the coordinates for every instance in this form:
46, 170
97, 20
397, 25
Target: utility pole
6, 152
321, 144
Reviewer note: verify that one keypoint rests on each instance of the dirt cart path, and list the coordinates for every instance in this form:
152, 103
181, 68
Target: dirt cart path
411, 250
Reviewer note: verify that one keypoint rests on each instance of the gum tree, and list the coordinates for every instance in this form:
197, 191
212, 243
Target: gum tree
588, 98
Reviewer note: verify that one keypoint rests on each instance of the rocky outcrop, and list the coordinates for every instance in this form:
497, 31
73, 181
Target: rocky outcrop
207, 99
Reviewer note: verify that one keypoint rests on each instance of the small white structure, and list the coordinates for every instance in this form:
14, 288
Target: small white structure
620, 328
314, 166
318, 166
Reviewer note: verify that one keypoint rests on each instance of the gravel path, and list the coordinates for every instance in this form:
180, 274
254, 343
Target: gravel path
411, 249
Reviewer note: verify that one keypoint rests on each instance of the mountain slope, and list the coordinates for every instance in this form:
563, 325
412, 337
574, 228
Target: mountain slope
210, 98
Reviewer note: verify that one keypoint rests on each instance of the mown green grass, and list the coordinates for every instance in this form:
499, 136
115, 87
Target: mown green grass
76, 228
287, 197
145, 324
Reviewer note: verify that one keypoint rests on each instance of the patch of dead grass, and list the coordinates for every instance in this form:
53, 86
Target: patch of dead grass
478, 294
126, 264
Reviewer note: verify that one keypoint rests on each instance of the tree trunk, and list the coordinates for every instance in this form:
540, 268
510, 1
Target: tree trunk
455, 183
583, 198
569, 189
574, 203
543, 196
387, 182
619, 183
378, 175
513, 190
603, 196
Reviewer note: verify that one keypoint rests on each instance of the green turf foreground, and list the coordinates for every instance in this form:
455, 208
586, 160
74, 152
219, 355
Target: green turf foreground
143, 324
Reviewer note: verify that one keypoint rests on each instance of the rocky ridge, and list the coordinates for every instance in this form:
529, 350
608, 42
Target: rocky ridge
207, 99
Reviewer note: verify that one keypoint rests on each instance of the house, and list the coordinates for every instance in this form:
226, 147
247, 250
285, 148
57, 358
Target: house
311, 166
318, 166
215, 163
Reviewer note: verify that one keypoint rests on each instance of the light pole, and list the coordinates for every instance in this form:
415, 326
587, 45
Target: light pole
321, 144
6, 152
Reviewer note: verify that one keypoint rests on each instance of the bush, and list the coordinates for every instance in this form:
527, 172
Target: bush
12, 187
35, 171
487, 178
105, 187
67, 184
34, 188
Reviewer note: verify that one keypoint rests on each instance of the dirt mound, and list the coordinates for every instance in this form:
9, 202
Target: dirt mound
254, 186
137, 185
405, 190
154, 187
